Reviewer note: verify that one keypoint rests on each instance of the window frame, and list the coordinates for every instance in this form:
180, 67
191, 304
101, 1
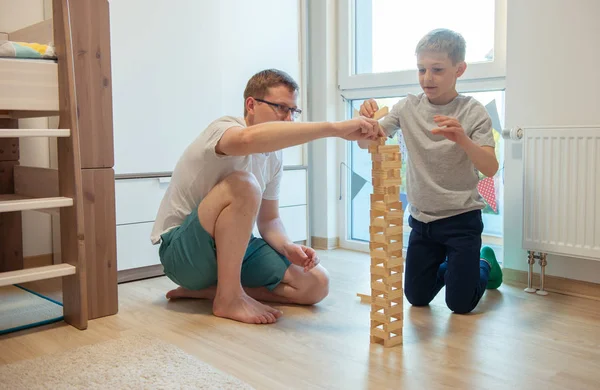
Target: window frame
347, 80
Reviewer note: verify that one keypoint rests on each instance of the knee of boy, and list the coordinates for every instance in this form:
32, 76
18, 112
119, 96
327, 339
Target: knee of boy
460, 306
416, 299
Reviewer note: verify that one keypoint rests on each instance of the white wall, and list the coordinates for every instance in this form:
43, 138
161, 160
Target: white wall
176, 68
322, 104
16, 14
37, 238
553, 53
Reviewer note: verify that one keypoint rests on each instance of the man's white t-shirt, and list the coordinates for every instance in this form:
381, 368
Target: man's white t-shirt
200, 168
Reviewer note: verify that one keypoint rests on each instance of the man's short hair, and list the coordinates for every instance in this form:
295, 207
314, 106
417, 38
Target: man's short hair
259, 84
445, 41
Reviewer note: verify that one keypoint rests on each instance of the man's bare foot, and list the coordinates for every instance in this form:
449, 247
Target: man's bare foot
244, 309
180, 292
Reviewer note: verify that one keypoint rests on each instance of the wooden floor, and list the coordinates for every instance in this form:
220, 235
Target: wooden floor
513, 340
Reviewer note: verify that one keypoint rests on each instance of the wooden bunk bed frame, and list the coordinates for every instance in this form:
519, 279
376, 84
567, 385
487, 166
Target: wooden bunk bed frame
76, 88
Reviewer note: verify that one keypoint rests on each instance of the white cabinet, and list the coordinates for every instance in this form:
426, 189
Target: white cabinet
134, 249
137, 202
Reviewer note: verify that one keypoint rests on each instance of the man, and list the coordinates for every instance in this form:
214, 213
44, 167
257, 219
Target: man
226, 181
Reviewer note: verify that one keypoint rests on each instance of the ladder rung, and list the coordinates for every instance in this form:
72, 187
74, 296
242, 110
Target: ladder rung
37, 273
13, 202
14, 133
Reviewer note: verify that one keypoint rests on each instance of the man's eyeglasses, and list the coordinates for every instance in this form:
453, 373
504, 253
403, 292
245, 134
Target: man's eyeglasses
282, 110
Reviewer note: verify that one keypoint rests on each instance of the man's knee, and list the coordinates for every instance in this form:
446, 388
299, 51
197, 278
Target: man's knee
243, 186
316, 287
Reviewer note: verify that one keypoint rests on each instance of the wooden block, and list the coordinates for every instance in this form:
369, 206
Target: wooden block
383, 111
389, 291
364, 298
385, 239
387, 319
385, 198
393, 341
390, 172
394, 207
382, 314
381, 222
386, 275
377, 182
384, 251
380, 271
381, 157
388, 149
391, 190
383, 303
379, 333
393, 164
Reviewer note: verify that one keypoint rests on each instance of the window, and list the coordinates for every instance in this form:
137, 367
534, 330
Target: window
378, 39
387, 31
370, 69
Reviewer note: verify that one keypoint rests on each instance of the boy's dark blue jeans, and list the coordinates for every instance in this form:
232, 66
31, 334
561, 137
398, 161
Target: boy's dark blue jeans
446, 252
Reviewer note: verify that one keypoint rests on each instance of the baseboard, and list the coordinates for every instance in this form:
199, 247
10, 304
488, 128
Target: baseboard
325, 243
38, 260
555, 284
130, 275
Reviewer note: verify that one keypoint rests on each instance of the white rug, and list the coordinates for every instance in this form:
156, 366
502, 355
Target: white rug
136, 362
22, 309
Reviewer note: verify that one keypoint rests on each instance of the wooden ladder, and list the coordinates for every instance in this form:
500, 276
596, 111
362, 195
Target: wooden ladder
56, 191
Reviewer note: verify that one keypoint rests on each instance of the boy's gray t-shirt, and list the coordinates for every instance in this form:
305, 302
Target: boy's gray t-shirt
441, 180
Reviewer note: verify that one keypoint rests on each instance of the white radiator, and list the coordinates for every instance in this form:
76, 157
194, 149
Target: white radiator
561, 191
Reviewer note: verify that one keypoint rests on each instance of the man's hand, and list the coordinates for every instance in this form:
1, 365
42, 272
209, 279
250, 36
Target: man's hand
301, 255
358, 129
450, 128
368, 108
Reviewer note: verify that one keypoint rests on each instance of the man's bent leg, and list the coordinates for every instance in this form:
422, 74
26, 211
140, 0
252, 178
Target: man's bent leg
268, 276
228, 214
265, 267
297, 287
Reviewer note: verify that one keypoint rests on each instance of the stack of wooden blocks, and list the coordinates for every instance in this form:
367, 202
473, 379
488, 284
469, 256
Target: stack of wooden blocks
387, 263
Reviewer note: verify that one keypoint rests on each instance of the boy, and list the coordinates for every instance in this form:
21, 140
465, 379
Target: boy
448, 138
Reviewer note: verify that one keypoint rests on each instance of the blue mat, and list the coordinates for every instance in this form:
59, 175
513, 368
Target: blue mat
21, 308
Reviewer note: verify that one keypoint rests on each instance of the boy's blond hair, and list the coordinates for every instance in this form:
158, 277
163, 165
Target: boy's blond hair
445, 41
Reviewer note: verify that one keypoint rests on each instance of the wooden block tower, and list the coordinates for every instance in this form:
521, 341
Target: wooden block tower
387, 263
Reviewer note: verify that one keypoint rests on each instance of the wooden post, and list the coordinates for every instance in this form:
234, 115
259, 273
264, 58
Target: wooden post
90, 29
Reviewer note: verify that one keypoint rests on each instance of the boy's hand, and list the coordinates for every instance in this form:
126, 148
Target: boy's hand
450, 128
368, 108
302, 256
358, 129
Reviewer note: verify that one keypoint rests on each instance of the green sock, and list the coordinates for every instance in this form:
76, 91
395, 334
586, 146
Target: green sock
495, 279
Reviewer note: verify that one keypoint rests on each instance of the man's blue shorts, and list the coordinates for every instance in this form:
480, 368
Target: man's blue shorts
189, 257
